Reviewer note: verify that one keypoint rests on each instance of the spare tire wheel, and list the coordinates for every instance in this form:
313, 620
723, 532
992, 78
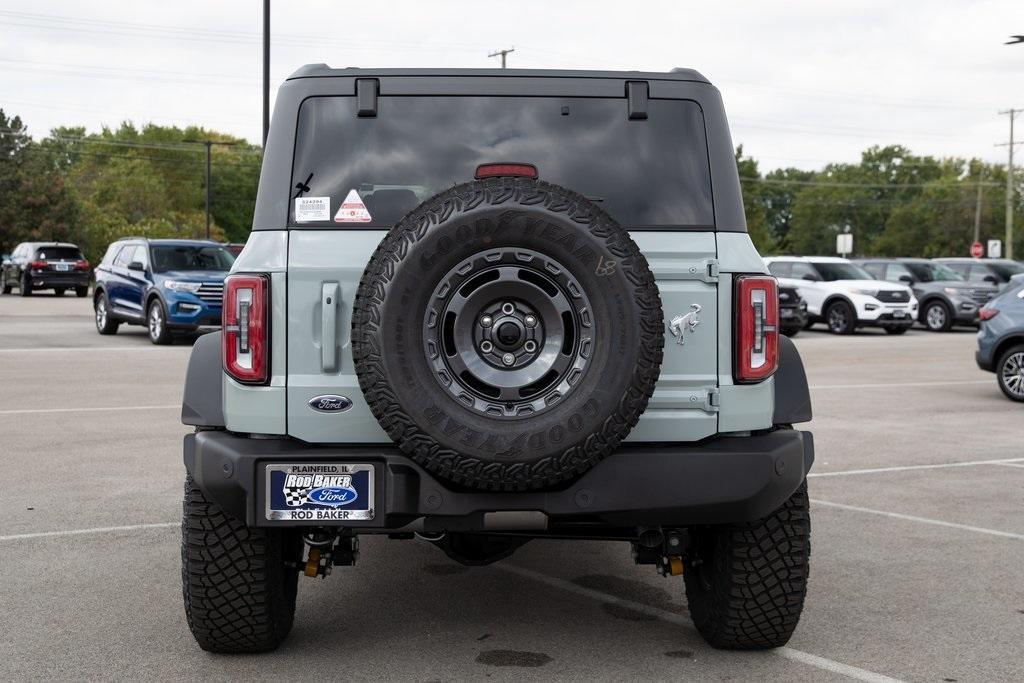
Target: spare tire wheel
507, 334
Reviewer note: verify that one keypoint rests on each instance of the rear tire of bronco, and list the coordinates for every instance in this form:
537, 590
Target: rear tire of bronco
507, 334
238, 588
745, 583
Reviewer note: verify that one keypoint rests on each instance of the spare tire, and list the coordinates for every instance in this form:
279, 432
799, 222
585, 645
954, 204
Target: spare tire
507, 334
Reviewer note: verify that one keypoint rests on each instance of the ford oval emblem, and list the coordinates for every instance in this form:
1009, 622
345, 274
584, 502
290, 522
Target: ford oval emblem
332, 495
330, 403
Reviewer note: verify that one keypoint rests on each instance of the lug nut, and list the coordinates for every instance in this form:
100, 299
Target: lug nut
486, 321
486, 346
507, 308
530, 346
508, 359
530, 320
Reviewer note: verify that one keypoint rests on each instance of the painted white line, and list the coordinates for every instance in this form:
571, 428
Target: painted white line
97, 409
84, 532
905, 468
887, 385
679, 620
65, 349
1009, 464
921, 520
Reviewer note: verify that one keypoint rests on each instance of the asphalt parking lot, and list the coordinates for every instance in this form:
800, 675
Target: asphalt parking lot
917, 562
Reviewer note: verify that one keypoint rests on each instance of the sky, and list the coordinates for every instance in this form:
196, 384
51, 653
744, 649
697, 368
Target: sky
805, 83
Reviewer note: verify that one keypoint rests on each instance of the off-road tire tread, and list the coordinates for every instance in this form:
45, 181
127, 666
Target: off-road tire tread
758, 579
239, 595
465, 468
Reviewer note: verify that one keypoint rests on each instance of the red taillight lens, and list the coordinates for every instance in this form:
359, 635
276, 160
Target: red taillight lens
82, 265
246, 335
37, 265
986, 313
757, 328
516, 170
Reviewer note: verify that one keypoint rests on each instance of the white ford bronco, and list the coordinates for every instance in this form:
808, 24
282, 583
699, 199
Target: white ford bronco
482, 307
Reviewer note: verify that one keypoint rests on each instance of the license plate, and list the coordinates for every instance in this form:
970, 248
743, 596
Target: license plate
328, 492
62, 266
785, 312
899, 313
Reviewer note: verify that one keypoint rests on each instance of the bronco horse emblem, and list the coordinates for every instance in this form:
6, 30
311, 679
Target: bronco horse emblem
681, 324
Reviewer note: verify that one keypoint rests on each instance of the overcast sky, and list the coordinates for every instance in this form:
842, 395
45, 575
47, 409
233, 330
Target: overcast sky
805, 82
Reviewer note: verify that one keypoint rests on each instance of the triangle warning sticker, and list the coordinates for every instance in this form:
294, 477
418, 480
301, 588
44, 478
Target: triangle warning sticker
352, 210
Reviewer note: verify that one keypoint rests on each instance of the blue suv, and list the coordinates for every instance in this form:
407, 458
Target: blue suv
167, 285
1001, 339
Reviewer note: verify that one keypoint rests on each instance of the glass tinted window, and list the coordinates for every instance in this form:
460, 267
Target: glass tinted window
801, 270
58, 253
897, 270
831, 271
651, 172
876, 269
960, 268
124, 256
1006, 270
187, 257
978, 274
933, 272
779, 268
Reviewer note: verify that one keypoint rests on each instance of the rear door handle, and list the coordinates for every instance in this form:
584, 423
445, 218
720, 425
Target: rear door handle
329, 293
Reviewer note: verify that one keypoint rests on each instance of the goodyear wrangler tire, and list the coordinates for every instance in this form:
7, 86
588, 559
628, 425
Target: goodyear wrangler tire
507, 334
239, 583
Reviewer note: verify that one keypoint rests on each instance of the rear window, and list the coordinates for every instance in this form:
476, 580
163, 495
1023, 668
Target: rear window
645, 173
58, 253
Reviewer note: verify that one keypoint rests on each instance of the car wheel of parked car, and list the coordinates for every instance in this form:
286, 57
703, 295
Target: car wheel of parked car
26, 287
59, 291
745, 583
82, 292
895, 329
810, 323
1010, 372
156, 323
937, 317
525, 287
239, 582
841, 318
791, 331
105, 324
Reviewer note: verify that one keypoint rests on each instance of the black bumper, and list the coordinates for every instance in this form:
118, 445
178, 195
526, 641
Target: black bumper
728, 479
54, 279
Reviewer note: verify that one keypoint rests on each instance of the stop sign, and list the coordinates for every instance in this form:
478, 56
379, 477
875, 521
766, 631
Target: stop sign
977, 250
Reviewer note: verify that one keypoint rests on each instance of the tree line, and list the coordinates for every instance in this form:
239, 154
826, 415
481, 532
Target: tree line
92, 188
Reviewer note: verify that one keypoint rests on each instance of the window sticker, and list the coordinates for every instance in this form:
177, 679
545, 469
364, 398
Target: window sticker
312, 209
352, 210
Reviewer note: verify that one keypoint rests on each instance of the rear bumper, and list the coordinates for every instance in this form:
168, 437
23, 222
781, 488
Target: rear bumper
48, 280
728, 479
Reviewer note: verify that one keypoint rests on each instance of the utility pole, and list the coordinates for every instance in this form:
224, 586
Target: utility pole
977, 214
209, 146
266, 70
1008, 251
502, 54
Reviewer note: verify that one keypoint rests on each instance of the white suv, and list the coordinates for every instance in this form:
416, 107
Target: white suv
843, 295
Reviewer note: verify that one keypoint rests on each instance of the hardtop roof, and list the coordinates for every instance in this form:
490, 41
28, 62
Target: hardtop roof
325, 71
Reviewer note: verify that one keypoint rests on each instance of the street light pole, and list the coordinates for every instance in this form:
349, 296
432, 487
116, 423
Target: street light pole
266, 70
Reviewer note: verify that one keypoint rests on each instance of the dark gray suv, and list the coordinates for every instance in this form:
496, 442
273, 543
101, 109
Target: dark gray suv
946, 298
1001, 340
994, 271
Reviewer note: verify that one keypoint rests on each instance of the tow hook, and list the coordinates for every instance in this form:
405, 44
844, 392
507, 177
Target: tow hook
326, 549
662, 548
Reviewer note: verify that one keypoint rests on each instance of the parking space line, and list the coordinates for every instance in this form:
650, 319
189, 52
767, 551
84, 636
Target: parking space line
800, 656
85, 532
921, 520
905, 468
1009, 464
882, 385
91, 409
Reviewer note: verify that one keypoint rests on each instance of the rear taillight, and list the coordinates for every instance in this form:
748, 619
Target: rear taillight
81, 264
37, 265
246, 335
986, 313
497, 170
757, 328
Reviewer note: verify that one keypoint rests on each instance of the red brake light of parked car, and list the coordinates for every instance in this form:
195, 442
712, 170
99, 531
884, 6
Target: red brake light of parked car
514, 170
986, 313
245, 338
37, 265
81, 264
757, 328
